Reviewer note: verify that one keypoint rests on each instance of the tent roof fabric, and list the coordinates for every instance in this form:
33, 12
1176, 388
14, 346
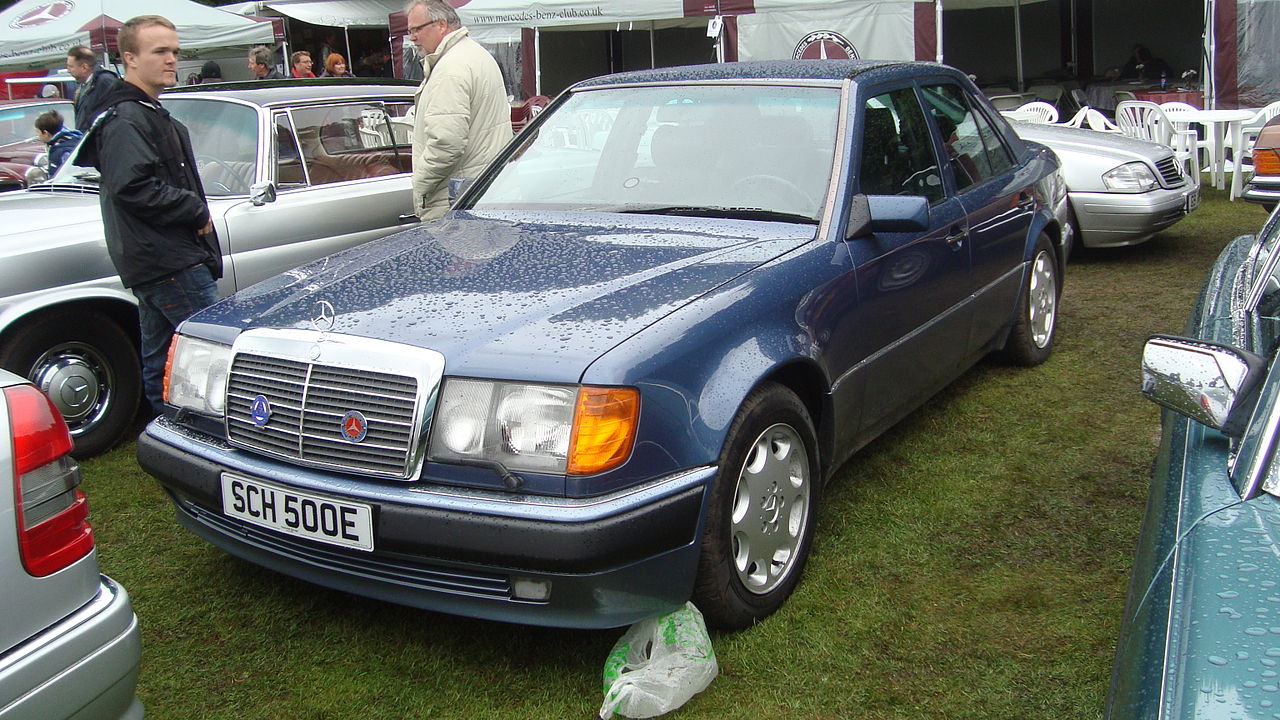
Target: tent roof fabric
38, 33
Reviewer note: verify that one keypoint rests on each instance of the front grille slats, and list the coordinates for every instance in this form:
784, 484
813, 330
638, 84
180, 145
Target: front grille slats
309, 403
1170, 174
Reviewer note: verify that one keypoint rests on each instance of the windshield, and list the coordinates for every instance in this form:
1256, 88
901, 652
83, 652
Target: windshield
224, 137
18, 124
713, 150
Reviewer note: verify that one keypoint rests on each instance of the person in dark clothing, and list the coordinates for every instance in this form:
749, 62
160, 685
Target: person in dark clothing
210, 72
1144, 66
93, 84
158, 228
60, 139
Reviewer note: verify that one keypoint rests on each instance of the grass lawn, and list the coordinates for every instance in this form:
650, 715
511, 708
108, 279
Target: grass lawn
972, 563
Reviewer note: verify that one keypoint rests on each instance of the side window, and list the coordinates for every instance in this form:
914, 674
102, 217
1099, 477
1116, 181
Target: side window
224, 137
897, 151
998, 156
353, 141
962, 135
289, 172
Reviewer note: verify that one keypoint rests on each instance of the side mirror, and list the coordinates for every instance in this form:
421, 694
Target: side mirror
458, 186
1213, 384
886, 213
262, 193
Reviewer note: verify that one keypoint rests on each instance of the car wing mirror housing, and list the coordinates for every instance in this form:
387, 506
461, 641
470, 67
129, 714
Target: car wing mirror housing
886, 213
1213, 384
262, 193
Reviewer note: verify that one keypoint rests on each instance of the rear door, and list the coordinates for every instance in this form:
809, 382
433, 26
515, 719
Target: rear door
997, 192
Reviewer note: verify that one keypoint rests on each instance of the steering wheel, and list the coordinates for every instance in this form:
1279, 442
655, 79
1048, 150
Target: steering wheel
766, 186
231, 175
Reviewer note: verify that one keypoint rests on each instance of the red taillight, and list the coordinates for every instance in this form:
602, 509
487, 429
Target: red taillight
53, 531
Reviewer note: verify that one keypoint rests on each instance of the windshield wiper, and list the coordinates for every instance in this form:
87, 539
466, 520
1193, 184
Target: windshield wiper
736, 213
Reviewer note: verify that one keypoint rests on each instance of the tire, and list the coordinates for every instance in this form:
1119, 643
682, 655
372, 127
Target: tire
763, 505
1030, 341
88, 365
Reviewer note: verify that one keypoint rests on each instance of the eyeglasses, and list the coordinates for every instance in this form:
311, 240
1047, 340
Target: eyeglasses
413, 29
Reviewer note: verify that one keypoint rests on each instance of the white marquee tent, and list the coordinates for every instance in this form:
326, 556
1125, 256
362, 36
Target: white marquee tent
38, 33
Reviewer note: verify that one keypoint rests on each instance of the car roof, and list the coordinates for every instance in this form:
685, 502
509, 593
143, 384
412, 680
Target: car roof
760, 70
286, 92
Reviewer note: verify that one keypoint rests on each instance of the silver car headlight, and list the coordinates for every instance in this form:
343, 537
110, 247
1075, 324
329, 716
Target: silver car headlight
533, 427
196, 376
1133, 177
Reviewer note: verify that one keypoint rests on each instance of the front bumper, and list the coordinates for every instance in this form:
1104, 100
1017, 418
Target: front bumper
1116, 219
610, 561
84, 666
1262, 189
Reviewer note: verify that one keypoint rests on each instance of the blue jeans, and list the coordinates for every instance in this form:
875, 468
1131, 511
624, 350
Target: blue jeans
162, 305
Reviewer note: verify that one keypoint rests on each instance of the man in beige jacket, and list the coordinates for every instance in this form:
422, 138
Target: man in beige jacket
462, 118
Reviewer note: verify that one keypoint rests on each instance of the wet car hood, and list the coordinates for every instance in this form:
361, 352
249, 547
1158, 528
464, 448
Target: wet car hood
1091, 142
542, 296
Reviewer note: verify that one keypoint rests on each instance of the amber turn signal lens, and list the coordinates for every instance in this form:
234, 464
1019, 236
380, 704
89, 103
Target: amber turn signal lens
604, 429
1266, 161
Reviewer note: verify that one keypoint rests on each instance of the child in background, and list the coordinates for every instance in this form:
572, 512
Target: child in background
60, 139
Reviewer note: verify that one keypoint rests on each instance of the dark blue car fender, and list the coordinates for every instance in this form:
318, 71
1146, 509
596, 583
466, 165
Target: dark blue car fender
760, 327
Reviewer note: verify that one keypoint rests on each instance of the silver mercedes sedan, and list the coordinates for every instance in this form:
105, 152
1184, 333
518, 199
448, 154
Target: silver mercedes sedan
293, 172
1121, 190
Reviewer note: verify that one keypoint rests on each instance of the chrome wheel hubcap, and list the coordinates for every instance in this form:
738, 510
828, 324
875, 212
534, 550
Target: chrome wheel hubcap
79, 381
770, 509
1042, 299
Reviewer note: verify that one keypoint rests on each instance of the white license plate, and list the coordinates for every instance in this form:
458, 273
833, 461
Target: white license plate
297, 513
1193, 199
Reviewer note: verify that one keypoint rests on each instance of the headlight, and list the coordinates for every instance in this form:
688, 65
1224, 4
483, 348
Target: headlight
537, 428
196, 375
1131, 177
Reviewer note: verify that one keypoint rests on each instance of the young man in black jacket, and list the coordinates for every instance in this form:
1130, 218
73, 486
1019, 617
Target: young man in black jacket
158, 227
93, 84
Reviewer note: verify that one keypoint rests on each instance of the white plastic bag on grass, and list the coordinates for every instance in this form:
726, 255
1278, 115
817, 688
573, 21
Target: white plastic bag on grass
658, 664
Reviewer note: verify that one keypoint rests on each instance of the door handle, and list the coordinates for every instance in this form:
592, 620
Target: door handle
408, 218
1026, 200
955, 240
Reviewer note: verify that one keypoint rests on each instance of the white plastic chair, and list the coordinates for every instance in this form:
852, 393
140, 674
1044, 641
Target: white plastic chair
1097, 121
1123, 96
1205, 143
1078, 120
1249, 132
1007, 102
1050, 93
1038, 111
1146, 121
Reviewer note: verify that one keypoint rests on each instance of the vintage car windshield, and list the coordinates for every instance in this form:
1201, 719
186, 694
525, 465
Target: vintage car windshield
224, 136
17, 124
762, 152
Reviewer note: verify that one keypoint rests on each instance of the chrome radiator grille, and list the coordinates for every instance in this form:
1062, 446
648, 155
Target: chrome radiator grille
309, 404
1170, 175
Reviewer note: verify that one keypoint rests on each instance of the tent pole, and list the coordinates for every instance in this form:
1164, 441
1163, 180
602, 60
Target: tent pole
653, 51
937, 25
346, 39
1209, 82
537, 61
1017, 41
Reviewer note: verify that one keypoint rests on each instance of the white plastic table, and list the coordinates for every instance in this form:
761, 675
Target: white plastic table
1218, 123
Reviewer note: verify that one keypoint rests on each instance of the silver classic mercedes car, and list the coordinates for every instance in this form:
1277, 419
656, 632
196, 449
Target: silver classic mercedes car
293, 172
1122, 191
